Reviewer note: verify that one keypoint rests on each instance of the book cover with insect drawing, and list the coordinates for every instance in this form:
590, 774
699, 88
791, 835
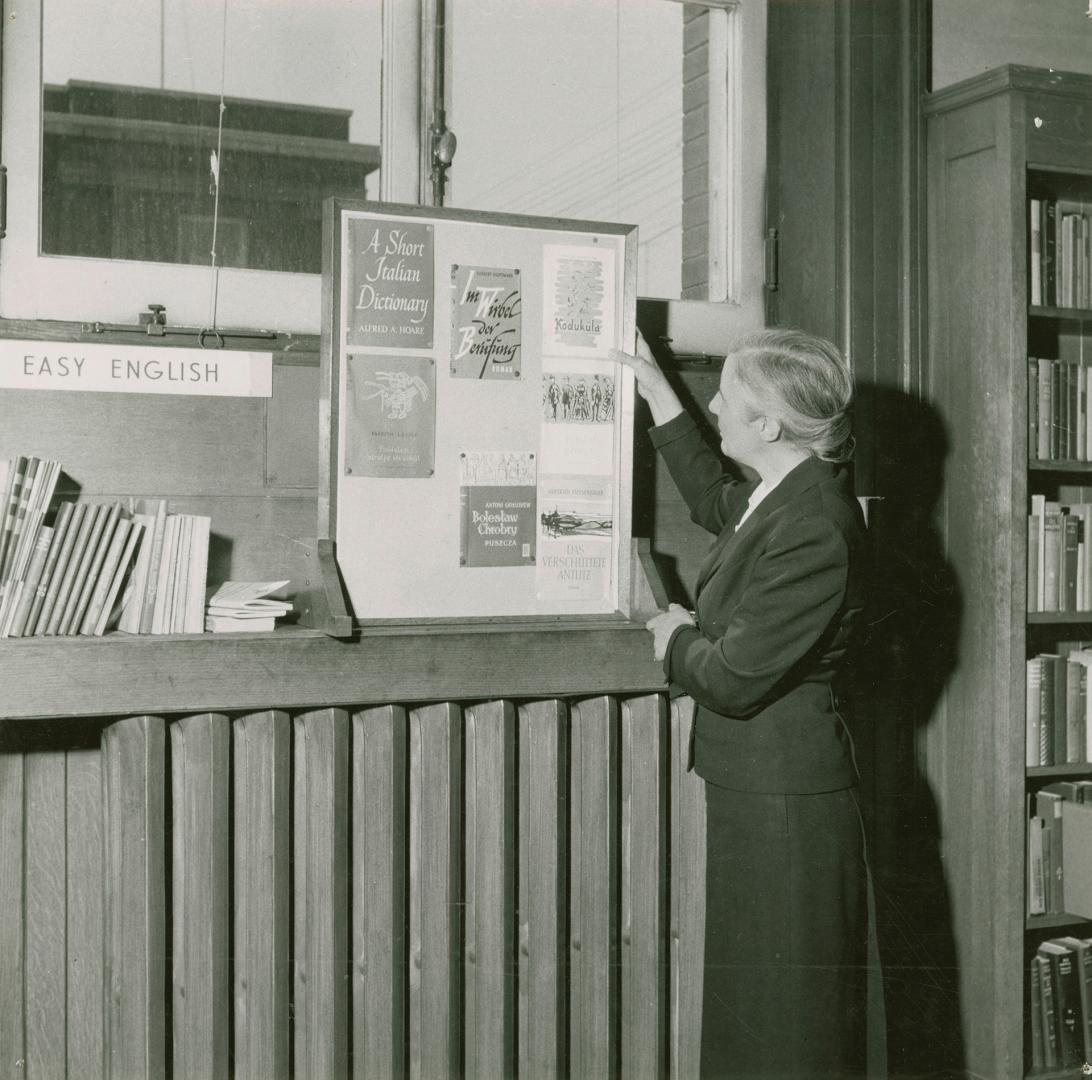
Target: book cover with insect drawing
391, 416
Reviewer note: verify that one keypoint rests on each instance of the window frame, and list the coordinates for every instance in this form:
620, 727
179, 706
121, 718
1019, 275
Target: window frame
87, 290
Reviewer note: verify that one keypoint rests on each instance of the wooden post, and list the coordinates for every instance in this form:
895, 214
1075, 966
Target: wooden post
84, 845
201, 978
543, 873
687, 897
12, 925
435, 1023
46, 994
490, 889
135, 906
595, 984
321, 890
644, 887
379, 892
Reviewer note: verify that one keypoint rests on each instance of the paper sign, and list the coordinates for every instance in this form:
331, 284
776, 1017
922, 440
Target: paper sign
133, 369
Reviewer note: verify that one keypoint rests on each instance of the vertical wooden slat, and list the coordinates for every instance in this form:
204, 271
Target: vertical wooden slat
12, 924
46, 996
85, 916
262, 745
134, 840
687, 918
490, 832
596, 859
644, 886
380, 837
543, 864
200, 821
435, 1025
321, 917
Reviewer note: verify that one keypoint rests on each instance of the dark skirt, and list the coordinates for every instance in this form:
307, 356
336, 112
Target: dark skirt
786, 937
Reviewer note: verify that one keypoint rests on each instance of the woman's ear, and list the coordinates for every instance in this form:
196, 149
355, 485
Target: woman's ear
769, 428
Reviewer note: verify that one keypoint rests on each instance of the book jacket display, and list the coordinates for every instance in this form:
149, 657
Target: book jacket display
474, 417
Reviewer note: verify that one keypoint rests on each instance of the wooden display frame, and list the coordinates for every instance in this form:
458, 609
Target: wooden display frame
360, 556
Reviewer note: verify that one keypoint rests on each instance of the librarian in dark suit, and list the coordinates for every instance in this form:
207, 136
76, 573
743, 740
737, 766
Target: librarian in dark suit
776, 602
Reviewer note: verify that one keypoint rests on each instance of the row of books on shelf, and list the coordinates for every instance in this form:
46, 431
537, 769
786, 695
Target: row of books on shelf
1060, 849
71, 567
1058, 725
1059, 567
1061, 1003
1060, 243
1059, 420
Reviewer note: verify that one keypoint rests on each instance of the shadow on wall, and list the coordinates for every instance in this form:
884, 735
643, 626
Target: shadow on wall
908, 651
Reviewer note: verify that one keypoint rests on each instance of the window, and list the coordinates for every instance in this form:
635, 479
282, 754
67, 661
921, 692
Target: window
620, 110
125, 174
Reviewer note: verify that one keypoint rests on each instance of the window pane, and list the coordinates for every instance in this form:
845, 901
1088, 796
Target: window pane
574, 108
131, 102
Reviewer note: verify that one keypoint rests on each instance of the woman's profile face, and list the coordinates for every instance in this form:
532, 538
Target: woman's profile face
737, 424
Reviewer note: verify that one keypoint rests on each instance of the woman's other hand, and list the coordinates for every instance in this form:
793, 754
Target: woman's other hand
665, 624
652, 384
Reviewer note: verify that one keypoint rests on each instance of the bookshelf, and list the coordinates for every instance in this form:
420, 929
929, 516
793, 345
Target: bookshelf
995, 143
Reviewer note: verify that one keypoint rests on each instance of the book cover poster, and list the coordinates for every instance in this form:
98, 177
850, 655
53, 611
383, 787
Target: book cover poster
497, 497
575, 505
391, 416
578, 417
485, 323
390, 284
573, 568
579, 301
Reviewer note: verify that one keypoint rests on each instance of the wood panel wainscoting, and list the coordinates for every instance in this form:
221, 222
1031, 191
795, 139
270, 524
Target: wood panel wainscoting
343, 869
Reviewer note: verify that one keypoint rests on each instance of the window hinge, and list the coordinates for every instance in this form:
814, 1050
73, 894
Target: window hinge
772, 252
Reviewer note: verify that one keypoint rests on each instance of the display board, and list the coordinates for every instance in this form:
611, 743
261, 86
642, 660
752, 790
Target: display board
477, 441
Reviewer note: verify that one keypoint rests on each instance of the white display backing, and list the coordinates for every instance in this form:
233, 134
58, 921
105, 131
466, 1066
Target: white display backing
398, 540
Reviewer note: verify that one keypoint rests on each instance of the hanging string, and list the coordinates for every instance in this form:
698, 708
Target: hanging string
215, 163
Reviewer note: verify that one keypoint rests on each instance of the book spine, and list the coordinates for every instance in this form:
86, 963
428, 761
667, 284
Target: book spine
30, 583
1071, 535
111, 606
1050, 296
97, 549
1036, 877
61, 619
62, 572
1046, 710
104, 576
147, 611
1045, 411
60, 533
1035, 248
1034, 686
1052, 556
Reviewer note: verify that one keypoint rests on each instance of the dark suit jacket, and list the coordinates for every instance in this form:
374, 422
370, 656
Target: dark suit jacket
776, 606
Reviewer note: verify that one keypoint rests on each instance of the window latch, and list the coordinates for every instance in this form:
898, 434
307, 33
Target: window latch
772, 253
153, 323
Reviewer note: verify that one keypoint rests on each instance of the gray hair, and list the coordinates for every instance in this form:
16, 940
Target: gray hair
805, 383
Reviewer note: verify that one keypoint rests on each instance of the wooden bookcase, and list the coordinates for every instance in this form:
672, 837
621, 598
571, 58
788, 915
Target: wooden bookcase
995, 141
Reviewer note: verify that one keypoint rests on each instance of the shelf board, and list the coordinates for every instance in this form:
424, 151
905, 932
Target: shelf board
1057, 465
1053, 922
1074, 1072
1066, 313
1059, 618
1076, 768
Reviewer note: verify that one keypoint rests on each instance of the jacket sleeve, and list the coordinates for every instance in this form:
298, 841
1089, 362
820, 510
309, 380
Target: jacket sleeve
797, 589
713, 497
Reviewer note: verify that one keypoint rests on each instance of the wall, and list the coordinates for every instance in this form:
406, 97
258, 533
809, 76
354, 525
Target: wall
972, 36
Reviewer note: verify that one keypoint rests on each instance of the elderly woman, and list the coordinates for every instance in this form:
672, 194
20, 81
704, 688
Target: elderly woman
777, 599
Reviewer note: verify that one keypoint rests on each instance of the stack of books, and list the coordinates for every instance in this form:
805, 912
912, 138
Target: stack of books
85, 568
1061, 1004
1060, 268
245, 606
1059, 569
